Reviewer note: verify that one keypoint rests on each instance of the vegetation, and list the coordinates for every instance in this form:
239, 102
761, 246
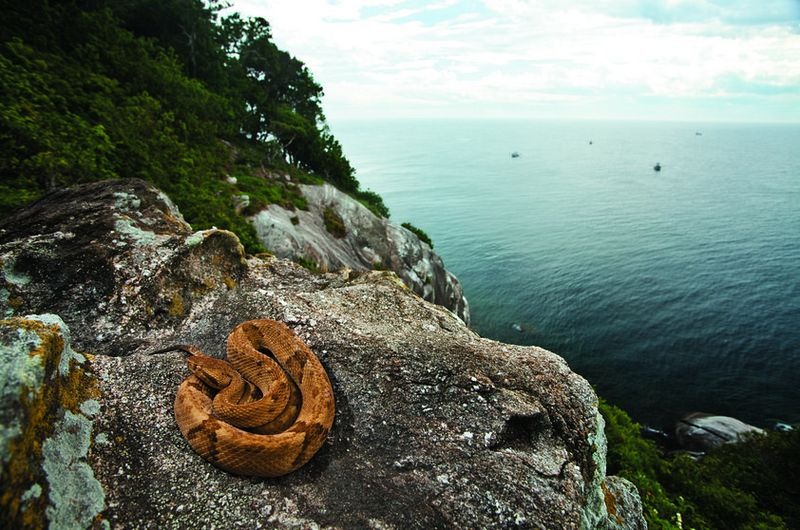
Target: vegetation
754, 484
373, 201
308, 264
163, 90
262, 190
425, 238
334, 224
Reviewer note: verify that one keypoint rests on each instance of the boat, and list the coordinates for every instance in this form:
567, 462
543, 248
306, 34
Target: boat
657, 167
514, 155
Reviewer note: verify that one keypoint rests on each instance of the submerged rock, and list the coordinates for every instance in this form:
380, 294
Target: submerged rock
337, 231
702, 432
435, 426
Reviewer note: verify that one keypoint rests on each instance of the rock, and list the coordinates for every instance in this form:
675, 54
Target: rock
119, 259
435, 427
623, 504
367, 242
702, 432
240, 202
47, 404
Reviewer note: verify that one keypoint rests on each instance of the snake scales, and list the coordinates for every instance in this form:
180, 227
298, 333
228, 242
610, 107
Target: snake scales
263, 412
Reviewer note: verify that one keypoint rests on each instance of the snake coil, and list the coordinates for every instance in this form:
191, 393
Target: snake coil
265, 411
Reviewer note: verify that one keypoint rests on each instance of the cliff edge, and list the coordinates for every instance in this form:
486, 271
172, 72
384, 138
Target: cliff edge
435, 426
337, 231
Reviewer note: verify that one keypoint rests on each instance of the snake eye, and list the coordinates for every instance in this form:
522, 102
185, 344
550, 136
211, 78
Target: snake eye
205, 369
213, 378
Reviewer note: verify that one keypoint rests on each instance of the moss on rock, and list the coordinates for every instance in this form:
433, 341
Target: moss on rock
334, 223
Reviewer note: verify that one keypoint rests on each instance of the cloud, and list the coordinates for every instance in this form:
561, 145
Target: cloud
512, 57
742, 12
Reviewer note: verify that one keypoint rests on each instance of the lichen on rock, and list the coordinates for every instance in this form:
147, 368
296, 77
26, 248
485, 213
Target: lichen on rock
46, 394
76, 496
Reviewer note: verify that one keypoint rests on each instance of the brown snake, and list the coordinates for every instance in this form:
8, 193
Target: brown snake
265, 411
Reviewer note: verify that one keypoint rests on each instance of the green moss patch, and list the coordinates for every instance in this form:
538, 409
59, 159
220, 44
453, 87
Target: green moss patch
308, 264
334, 223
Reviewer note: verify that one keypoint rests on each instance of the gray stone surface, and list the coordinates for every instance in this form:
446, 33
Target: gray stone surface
369, 242
435, 426
623, 504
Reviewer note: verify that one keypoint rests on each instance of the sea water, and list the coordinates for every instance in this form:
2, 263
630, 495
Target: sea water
670, 291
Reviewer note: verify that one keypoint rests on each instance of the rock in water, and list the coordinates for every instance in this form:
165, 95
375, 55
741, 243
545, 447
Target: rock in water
701, 432
435, 426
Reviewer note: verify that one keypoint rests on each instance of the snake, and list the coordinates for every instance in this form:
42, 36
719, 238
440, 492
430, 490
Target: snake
265, 410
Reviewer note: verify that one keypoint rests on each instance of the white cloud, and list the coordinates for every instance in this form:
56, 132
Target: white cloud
395, 57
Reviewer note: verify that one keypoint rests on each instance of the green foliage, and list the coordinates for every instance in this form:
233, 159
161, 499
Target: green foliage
754, 484
210, 205
45, 144
263, 190
425, 238
163, 90
372, 201
334, 224
308, 264
640, 461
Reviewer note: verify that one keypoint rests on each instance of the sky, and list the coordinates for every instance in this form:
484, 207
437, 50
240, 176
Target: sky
689, 60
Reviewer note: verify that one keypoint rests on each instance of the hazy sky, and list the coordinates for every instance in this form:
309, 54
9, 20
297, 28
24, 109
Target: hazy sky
631, 59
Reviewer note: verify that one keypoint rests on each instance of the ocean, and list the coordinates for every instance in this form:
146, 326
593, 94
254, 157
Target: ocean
670, 291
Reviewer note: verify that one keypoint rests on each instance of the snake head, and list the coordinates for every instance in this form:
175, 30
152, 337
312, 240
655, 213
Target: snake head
216, 373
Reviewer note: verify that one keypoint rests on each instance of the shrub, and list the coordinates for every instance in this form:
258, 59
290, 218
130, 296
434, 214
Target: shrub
425, 238
753, 484
308, 264
334, 223
373, 201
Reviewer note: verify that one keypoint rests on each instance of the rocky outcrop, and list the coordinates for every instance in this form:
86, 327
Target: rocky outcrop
435, 426
337, 231
700, 431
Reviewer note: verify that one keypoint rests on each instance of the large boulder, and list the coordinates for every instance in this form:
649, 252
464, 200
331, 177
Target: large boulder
701, 432
337, 231
435, 426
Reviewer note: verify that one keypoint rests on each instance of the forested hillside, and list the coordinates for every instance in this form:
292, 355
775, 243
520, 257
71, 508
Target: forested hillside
206, 107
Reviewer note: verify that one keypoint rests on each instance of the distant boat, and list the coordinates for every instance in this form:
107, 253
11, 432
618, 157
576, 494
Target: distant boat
698, 133
657, 167
590, 142
514, 155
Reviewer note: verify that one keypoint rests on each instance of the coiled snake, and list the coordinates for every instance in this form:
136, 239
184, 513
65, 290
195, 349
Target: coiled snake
263, 412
